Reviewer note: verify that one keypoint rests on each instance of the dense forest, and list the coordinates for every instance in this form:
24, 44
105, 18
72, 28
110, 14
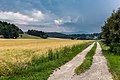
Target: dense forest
8, 30
111, 32
37, 33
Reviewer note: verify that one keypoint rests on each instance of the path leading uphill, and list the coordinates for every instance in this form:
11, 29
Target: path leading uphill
98, 70
66, 72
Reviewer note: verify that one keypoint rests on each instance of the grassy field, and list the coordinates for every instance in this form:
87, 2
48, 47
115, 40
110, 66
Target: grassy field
20, 56
26, 36
113, 62
87, 62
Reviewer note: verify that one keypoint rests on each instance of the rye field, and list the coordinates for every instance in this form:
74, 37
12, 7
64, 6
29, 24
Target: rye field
20, 52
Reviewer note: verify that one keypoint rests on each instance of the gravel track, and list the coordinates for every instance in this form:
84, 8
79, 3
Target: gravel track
98, 70
66, 72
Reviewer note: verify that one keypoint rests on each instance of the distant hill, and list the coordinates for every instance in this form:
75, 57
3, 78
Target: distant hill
64, 36
57, 35
73, 36
84, 36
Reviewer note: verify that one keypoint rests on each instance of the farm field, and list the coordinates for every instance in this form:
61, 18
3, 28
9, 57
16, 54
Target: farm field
21, 51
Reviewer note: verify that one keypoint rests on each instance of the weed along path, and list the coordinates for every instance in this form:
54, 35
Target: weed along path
66, 72
98, 70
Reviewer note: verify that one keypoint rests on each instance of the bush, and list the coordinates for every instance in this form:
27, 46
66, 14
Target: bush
115, 47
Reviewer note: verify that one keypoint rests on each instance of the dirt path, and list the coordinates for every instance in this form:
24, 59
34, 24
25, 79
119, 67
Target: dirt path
66, 72
98, 70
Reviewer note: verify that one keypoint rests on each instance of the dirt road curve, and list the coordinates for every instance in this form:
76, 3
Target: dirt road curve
66, 72
98, 70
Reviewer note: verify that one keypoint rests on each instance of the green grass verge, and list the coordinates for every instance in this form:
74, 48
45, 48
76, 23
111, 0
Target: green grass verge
26, 36
41, 67
87, 62
113, 62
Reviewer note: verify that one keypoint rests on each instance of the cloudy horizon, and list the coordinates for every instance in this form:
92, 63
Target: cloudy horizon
80, 16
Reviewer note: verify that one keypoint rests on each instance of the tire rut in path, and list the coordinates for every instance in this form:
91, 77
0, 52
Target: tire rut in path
98, 70
66, 72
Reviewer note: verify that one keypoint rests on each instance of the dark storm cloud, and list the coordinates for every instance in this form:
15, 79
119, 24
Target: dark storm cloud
58, 15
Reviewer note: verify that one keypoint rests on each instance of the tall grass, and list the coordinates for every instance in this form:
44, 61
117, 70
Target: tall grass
17, 53
113, 61
42, 66
87, 62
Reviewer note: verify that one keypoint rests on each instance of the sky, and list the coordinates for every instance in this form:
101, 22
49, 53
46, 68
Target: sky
66, 16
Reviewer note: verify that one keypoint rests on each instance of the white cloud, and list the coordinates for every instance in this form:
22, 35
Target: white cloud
38, 15
12, 16
19, 18
67, 19
58, 22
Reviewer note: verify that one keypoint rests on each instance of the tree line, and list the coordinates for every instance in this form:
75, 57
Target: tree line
9, 30
111, 32
37, 33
